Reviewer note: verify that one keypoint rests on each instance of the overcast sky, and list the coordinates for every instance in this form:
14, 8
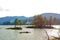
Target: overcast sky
28, 7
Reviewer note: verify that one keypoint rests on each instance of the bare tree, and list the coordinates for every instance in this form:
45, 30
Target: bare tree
38, 21
50, 21
55, 20
45, 21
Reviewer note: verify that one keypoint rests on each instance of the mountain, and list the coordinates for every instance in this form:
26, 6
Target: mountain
11, 19
29, 19
47, 15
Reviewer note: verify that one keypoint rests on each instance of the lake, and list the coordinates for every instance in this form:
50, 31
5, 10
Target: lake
35, 34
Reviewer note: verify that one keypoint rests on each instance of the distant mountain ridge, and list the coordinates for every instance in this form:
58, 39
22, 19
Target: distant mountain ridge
11, 19
23, 18
47, 15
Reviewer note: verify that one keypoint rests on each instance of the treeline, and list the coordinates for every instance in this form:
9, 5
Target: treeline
41, 21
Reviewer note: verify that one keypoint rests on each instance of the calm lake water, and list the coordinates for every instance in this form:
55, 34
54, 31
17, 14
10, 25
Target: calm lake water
35, 34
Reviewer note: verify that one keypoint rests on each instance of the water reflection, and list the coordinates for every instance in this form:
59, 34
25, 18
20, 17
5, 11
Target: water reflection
36, 34
7, 34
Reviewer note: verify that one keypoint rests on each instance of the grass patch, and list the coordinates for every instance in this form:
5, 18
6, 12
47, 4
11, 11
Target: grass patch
25, 32
15, 28
40, 27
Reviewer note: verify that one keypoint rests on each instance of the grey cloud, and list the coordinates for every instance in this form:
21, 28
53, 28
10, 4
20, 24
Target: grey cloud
1, 9
7, 10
